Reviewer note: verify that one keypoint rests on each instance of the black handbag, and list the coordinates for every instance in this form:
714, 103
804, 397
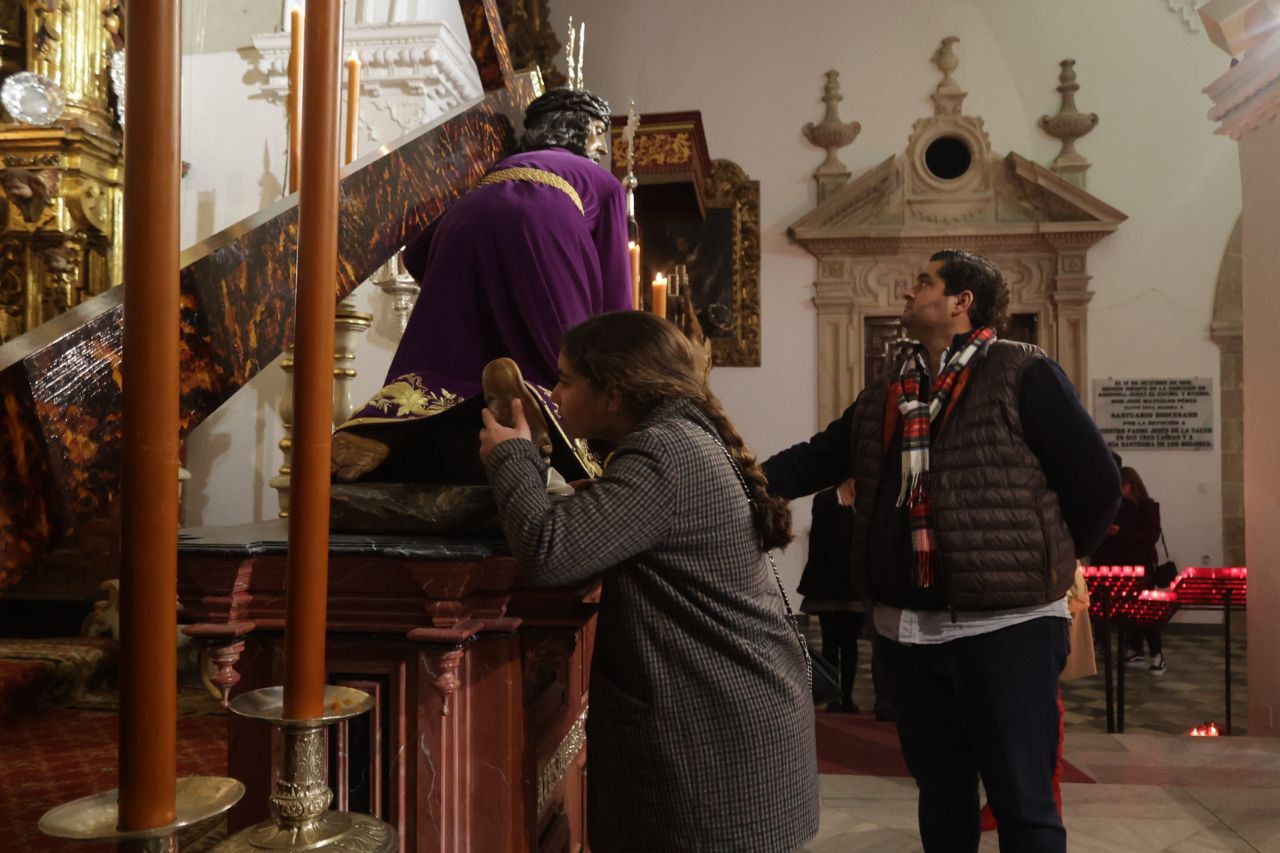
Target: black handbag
1165, 572
826, 680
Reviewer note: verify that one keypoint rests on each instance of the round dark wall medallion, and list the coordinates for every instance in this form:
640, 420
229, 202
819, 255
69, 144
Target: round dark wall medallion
947, 157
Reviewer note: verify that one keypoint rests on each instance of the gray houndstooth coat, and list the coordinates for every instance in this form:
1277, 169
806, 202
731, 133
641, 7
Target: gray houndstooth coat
700, 732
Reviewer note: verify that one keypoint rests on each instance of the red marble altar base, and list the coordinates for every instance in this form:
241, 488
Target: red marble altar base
476, 739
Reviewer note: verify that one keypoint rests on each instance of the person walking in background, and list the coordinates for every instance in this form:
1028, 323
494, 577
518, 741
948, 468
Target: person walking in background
827, 587
701, 731
1131, 541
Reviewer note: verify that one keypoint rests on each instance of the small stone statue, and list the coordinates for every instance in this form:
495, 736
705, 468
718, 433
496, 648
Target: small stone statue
31, 192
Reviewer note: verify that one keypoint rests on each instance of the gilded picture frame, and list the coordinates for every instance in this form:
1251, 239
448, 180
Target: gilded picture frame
722, 256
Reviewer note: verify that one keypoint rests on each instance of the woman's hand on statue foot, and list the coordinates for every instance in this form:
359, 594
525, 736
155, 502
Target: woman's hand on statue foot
495, 433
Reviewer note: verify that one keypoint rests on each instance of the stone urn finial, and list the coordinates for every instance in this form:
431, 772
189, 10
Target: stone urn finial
1068, 125
831, 134
946, 61
948, 97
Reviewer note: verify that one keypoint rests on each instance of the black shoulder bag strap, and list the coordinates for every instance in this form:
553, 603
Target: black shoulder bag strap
786, 601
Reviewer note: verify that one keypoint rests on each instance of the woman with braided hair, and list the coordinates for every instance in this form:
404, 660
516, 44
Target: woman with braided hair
700, 731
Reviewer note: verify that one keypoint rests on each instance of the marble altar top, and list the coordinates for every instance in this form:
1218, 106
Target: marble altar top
270, 538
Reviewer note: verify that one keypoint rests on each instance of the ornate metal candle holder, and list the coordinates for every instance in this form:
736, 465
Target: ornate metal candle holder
300, 815
95, 818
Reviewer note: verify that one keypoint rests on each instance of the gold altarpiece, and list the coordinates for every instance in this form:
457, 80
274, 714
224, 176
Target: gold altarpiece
62, 184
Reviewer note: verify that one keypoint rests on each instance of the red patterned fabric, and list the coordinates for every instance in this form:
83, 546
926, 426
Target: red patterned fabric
59, 756
21, 683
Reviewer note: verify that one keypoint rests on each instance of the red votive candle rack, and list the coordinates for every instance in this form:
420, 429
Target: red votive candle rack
1212, 587
1152, 607
1109, 586
1205, 585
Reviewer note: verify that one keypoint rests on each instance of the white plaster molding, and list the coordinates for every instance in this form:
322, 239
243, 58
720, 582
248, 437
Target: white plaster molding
1188, 10
423, 61
1249, 93
871, 236
373, 11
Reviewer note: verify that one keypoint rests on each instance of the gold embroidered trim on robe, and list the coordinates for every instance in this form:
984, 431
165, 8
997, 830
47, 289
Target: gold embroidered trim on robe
406, 399
581, 449
534, 176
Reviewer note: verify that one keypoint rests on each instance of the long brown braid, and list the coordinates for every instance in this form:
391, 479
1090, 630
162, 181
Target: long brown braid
647, 360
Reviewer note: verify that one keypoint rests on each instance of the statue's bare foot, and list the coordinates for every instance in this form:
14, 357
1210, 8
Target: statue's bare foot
502, 383
352, 456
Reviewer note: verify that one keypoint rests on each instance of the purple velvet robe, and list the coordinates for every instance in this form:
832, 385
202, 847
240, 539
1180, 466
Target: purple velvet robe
509, 268
505, 272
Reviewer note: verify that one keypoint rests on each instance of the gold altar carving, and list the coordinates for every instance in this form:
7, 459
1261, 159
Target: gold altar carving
61, 184
551, 774
721, 256
532, 40
673, 148
735, 337
701, 214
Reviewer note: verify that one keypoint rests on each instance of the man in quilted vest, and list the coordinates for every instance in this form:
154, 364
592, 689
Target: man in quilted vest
980, 477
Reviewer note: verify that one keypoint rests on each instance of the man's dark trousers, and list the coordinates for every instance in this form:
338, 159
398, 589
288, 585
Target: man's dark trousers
982, 705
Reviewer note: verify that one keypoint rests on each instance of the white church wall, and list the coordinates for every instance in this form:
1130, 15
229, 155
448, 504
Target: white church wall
756, 73
234, 139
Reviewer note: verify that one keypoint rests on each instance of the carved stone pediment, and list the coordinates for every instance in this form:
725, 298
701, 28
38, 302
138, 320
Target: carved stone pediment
1010, 196
949, 188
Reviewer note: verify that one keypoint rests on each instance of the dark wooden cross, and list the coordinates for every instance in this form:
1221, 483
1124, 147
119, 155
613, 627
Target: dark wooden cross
61, 384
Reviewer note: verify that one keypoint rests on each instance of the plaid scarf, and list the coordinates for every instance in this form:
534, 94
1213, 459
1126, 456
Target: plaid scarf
917, 415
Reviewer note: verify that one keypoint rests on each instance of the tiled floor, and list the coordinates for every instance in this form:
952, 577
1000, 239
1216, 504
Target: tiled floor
1190, 692
1157, 789
1153, 793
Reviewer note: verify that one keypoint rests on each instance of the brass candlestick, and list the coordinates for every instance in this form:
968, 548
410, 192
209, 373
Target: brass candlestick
300, 815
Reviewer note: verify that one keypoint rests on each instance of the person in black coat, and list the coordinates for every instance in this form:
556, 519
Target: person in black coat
1131, 541
828, 590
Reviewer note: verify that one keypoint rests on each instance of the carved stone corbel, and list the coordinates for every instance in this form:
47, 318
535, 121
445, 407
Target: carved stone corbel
443, 669
221, 672
90, 204
47, 24
62, 257
30, 191
13, 290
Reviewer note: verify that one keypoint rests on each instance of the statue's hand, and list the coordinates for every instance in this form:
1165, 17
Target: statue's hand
352, 456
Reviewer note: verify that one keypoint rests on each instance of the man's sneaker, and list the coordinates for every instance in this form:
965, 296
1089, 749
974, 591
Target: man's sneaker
1133, 658
1157, 664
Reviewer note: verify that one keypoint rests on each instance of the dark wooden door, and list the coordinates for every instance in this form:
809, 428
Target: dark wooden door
883, 336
